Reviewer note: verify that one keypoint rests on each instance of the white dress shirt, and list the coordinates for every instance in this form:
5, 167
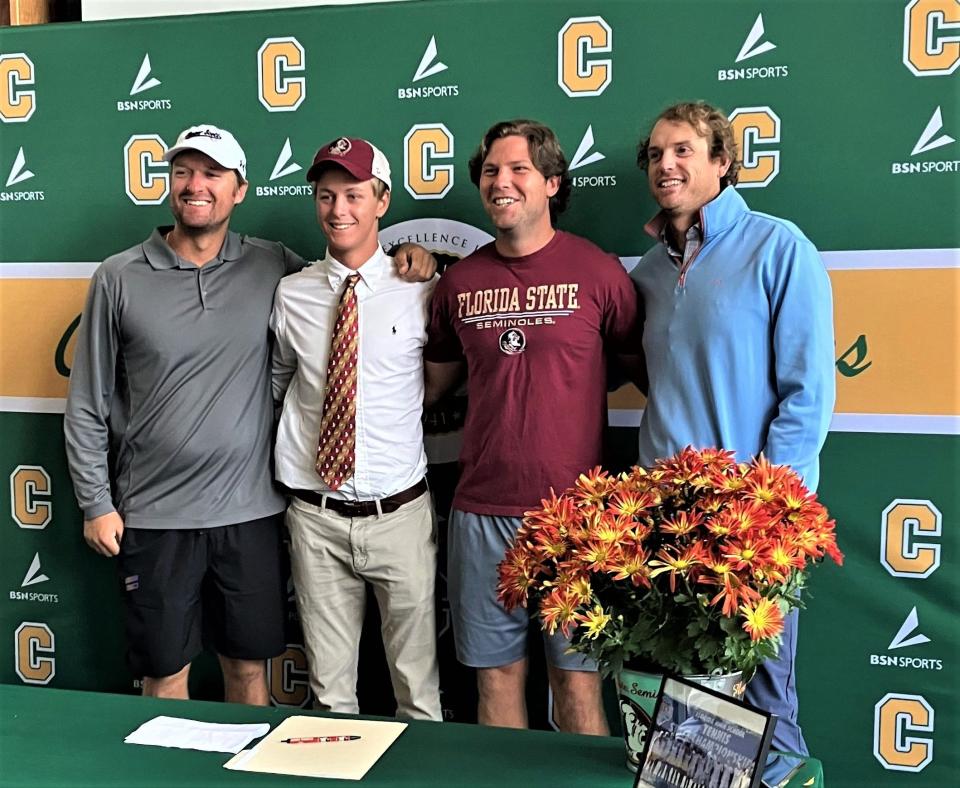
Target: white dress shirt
393, 316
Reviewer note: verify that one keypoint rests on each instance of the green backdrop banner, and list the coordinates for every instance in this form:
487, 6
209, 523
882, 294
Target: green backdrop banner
847, 113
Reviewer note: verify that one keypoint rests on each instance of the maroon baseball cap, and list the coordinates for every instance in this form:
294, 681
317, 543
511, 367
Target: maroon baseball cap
360, 158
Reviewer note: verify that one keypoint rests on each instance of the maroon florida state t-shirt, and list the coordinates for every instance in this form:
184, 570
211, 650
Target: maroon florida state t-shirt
534, 331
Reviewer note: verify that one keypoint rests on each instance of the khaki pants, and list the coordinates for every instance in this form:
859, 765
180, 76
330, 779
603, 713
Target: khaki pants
332, 557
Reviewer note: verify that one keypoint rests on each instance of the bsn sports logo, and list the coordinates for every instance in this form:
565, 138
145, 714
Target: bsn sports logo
430, 65
283, 167
931, 37
579, 72
931, 138
34, 648
895, 718
34, 576
30, 491
902, 525
753, 45
17, 103
145, 173
19, 172
287, 677
143, 82
907, 636
424, 147
584, 157
753, 127
277, 59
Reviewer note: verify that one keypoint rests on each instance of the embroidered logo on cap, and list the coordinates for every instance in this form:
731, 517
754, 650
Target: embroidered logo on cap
204, 133
341, 147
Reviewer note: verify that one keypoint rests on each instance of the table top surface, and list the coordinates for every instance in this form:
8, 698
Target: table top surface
53, 738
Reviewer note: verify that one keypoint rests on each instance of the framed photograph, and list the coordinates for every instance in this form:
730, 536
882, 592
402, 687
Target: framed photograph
703, 739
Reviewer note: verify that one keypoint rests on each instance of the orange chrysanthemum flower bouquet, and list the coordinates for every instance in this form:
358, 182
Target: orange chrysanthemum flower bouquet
687, 567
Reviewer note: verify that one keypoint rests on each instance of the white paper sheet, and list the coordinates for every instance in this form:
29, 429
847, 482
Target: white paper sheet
194, 735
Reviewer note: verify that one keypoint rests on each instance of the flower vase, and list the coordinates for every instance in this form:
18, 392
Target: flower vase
637, 692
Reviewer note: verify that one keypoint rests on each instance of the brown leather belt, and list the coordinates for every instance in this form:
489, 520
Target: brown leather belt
362, 508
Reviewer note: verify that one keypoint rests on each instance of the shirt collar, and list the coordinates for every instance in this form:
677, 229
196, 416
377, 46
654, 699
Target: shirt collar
657, 228
716, 217
372, 272
160, 256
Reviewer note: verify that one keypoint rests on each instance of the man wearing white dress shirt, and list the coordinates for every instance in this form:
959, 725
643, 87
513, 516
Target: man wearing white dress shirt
348, 365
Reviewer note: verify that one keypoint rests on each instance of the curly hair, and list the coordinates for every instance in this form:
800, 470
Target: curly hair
545, 153
709, 122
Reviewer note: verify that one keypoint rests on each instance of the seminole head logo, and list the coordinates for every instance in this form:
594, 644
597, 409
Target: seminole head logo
513, 341
341, 147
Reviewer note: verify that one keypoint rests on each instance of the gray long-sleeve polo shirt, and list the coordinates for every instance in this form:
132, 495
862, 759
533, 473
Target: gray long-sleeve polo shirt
169, 414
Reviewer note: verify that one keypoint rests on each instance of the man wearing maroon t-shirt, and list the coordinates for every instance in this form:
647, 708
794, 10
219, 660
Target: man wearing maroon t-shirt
532, 315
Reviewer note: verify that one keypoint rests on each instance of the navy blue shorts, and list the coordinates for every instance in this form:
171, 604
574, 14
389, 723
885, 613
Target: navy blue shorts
221, 587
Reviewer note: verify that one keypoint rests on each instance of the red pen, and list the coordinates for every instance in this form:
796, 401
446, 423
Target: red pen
318, 739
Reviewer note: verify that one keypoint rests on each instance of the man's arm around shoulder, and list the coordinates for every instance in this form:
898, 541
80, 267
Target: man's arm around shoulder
414, 263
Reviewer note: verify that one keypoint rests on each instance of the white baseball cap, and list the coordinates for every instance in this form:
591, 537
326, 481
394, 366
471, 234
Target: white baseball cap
219, 145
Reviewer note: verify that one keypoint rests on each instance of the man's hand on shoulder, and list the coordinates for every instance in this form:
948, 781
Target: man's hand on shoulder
104, 533
414, 263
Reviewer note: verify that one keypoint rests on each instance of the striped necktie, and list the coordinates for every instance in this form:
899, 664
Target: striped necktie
338, 428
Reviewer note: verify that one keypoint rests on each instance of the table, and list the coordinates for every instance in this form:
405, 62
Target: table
52, 738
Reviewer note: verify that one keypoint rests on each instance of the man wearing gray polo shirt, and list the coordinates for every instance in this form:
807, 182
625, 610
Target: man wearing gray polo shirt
168, 427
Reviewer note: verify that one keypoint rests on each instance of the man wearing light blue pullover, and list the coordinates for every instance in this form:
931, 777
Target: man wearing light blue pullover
737, 337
